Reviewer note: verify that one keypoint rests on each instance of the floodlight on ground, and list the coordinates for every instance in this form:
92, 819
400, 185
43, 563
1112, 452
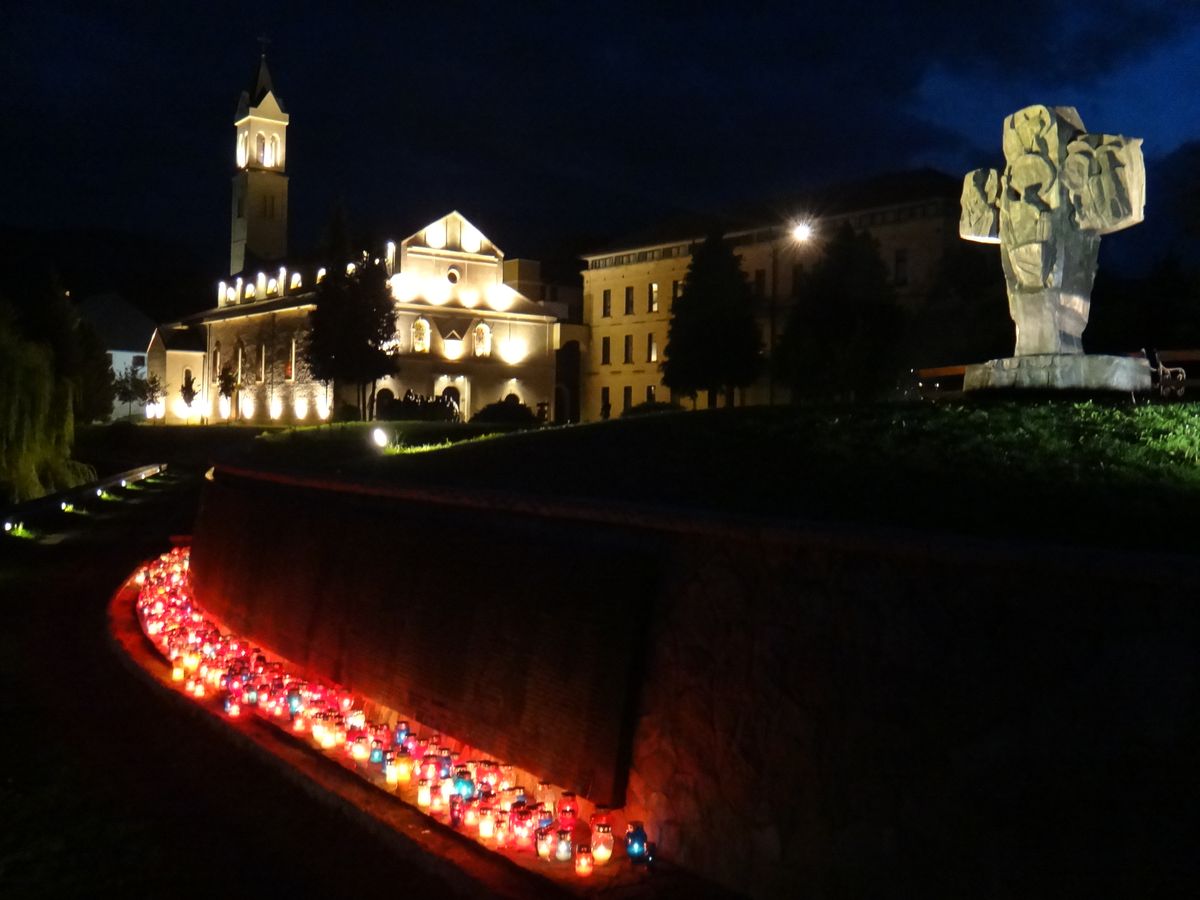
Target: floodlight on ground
379, 437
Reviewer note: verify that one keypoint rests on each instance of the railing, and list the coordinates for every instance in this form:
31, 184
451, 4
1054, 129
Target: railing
63, 500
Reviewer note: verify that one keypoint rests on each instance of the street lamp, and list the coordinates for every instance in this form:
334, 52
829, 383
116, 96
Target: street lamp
800, 232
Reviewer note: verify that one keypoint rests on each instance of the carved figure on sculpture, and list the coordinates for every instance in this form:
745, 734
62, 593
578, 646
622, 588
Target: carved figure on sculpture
1061, 189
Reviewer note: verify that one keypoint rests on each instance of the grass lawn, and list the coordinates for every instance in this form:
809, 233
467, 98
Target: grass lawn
1115, 474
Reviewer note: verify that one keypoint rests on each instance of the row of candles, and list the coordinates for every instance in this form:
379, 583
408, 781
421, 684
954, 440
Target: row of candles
478, 797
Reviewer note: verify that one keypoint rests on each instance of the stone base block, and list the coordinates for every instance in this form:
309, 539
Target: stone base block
1060, 372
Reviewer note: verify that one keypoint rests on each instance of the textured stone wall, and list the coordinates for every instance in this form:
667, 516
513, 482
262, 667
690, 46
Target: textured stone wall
814, 713
518, 639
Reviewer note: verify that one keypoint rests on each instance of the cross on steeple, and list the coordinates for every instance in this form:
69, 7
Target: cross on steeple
263, 41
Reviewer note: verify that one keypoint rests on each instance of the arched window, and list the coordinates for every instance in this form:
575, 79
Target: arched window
420, 336
483, 339
241, 150
260, 148
216, 362
273, 151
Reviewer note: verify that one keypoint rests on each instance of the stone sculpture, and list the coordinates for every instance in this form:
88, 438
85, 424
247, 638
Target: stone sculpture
1061, 189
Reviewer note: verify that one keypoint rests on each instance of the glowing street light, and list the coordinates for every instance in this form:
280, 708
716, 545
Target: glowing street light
802, 231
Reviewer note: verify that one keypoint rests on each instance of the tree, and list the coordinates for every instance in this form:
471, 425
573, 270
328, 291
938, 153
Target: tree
130, 388
713, 342
227, 385
94, 399
154, 390
352, 330
187, 390
841, 338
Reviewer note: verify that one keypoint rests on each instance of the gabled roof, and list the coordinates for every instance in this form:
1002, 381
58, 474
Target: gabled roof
454, 232
260, 86
180, 337
121, 325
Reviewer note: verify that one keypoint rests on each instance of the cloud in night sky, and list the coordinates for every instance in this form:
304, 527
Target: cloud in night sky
561, 120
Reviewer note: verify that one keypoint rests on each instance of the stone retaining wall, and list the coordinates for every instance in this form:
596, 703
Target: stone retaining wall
793, 711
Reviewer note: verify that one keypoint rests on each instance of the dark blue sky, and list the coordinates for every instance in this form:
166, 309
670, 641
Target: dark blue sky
553, 125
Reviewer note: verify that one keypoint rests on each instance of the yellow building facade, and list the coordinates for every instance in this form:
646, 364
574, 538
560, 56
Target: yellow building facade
628, 291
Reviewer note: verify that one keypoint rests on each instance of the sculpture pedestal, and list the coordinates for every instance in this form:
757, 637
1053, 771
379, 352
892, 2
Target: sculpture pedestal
1060, 372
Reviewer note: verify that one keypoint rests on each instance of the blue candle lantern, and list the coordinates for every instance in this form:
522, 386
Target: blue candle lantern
546, 817
445, 764
401, 735
563, 848
294, 701
251, 695
635, 843
376, 757
464, 787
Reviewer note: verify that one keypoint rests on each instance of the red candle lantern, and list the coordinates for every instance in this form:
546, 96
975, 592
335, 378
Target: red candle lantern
583, 861
568, 810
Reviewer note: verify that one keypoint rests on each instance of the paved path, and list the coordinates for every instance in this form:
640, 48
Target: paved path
107, 789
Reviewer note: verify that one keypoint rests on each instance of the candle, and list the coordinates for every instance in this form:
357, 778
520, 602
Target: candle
568, 810
635, 842
487, 824
583, 861
602, 843
424, 794
544, 839
562, 845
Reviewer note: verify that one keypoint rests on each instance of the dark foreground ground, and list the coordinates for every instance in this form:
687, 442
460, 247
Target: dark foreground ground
107, 790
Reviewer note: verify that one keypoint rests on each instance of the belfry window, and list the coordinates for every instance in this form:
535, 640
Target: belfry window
260, 148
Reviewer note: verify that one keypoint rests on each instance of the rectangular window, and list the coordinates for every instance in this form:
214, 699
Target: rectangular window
605, 352
651, 391
760, 282
605, 405
606, 304
651, 349
629, 300
262, 362
652, 297
239, 364
675, 291
289, 369
628, 349
216, 364
626, 397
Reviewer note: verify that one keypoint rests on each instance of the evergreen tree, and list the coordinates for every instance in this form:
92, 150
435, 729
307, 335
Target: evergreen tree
713, 342
94, 399
352, 330
841, 335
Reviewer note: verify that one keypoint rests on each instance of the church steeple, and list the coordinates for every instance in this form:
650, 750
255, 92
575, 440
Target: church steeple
259, 214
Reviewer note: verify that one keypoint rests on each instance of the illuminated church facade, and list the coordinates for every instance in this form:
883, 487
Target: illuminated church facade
461, 332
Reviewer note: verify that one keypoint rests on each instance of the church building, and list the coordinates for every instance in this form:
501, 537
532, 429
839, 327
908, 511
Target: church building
461, 332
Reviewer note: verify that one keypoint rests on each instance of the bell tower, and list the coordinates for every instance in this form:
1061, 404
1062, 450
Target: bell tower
259, 214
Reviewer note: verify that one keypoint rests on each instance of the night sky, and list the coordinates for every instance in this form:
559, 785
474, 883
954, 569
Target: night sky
553, 128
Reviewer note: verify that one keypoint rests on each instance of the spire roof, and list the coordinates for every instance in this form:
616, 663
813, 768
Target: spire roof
260, 86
